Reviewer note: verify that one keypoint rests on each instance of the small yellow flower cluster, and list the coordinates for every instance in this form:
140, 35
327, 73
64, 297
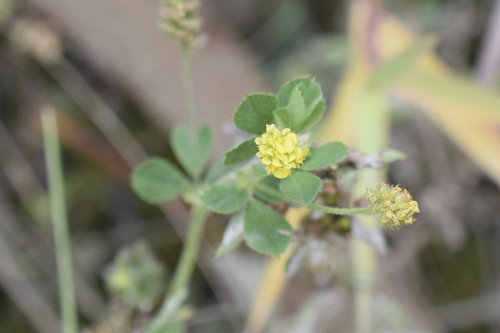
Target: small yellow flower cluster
279, 152
181, 19
395, 205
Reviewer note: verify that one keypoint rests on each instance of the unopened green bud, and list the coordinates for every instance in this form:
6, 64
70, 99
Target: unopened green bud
394, 205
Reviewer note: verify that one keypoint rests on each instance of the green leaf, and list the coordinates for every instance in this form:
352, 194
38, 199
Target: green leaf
224, 199
282, 118
325, 155
265, 230
314, 117
312, 97
241, 152
156, 180
233, 235
205, 139
296, 107
192, 159
268, 189
217, 171
254, 112
259, 169
301, 187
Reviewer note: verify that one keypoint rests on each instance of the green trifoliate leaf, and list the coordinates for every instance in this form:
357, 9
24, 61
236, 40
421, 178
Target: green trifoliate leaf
311, 95
266, 231
224, 199
241, 152
254, 112
301, 187
282, 118
191, 157
325, 155
268, 189
233, 235
156, 180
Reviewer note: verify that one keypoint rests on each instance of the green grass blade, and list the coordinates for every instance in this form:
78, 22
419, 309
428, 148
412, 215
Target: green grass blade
59, 220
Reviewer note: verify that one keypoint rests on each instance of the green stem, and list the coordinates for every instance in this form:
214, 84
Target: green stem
183, 272
188, 88
190, 250
188, 94
59, 221
342, 211
331, 210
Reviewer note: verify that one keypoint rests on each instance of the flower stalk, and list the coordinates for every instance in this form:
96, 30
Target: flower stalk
342, 211
189, 95
180, 19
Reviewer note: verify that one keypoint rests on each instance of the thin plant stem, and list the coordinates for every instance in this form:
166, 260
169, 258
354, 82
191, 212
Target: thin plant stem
183, 272
342, 211
190, 250
188, 88
327, 209
189, 96
58, 212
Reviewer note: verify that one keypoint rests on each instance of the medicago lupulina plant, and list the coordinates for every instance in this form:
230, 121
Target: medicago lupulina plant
279, 167
259, 179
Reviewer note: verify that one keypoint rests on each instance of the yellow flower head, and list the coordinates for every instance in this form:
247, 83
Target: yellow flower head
395, 205
279, 152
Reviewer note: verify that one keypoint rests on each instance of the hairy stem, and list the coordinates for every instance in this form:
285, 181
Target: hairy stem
342, 211
330, 210
59, 221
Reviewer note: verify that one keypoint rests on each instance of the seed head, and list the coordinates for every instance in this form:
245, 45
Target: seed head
279, 152
181, 19
395, 205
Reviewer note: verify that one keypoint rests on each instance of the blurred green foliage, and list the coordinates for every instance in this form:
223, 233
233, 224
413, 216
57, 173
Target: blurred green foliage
136, 277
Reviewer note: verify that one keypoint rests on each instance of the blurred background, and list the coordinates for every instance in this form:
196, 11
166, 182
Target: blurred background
115, 82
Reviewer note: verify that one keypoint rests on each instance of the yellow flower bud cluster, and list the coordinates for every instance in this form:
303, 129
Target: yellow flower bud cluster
279, 152
395, 205
181, 19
